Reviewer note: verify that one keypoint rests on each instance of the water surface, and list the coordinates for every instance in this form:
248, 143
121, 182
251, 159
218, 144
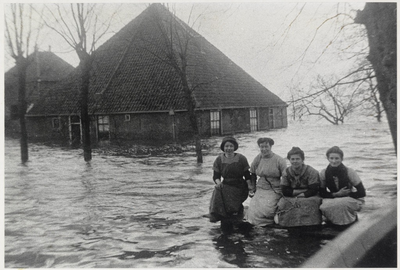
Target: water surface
119, 212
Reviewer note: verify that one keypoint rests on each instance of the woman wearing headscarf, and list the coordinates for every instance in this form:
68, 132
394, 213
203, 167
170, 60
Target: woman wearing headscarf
300, 203
269, 167
342, 190
232, 184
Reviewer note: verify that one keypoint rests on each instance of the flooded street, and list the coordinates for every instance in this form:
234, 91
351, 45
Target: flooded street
120, 212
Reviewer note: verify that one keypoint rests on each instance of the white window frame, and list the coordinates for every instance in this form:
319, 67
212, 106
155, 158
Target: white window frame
215, 123
71, 123
253, 119
271, 118
103, 125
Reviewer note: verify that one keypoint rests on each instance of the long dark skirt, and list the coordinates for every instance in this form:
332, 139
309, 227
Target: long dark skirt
227, 202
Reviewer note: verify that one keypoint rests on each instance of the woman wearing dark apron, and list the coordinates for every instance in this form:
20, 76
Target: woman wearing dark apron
232, 184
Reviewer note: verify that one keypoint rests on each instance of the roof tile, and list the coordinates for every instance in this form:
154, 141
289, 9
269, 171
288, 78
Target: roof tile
132, 74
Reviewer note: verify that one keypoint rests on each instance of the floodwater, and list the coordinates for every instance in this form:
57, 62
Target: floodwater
120, 212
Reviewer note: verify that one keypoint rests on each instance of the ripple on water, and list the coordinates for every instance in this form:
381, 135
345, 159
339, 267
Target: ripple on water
120, 212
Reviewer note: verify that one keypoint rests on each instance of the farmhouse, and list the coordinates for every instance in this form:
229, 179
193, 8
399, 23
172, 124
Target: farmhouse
43, 73
137, 94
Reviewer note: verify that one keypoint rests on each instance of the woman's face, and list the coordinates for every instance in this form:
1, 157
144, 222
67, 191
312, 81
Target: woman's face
229, 148
265, 148
296, 161
334, 159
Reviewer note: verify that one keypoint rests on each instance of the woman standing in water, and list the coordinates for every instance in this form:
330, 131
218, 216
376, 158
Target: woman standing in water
232, 184
269, 167
342, 190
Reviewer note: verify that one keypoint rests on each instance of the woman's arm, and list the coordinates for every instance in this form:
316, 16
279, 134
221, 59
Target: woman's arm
312, 190
287, 191
217, 171
282, 165
360, 192
357, 183
255, 163
251, 184
313, 181
323, 192
290, 192
217, 177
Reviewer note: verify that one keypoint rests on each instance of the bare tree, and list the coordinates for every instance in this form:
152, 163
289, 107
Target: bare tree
352, 48
81, 27
173, 50
380, 20
365, 96
333, 103
21, 32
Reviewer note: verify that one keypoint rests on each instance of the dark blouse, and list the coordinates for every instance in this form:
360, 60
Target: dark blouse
308, 178
232, 169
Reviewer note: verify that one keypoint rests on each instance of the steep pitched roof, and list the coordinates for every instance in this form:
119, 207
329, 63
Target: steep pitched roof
132, 73
46, 66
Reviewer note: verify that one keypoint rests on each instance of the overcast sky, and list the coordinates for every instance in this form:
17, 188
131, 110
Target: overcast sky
281, 45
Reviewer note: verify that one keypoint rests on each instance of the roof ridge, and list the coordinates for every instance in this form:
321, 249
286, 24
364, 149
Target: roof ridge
131, 78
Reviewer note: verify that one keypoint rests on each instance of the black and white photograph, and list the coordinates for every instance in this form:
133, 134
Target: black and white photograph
202, 134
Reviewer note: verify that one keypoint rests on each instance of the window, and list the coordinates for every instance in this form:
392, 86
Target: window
55, 122
253, 120
215, 122
75, 130
103, 125
271, 118
127, 117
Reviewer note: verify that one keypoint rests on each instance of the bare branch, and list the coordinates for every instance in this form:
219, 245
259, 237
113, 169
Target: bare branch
338, 83
16, 30
9, 39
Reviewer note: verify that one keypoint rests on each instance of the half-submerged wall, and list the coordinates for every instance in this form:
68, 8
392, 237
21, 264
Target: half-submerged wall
157, 127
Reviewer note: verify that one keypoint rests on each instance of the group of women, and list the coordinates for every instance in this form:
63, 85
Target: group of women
292, 196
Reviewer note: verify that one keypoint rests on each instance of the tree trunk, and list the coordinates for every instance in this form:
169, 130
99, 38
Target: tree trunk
22, 65
379, 112
199, 154
380, 22
192, 117
85, 67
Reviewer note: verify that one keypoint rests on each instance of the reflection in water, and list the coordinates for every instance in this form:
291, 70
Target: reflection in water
232, 249
268, 247
120, 212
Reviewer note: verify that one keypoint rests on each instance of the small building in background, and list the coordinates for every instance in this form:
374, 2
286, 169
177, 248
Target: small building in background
136, 95
44, 72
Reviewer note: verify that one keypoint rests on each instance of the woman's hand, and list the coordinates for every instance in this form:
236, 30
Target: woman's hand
344, 192
251, 186
218, 183
251, 193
